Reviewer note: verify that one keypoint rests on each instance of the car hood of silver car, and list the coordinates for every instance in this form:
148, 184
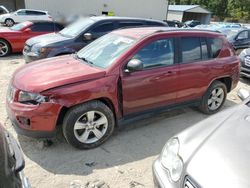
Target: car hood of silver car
216, 151
47, 39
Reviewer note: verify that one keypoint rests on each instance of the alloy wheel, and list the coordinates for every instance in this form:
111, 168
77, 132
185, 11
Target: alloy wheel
3, 48
90, 127
216, 99
9, 23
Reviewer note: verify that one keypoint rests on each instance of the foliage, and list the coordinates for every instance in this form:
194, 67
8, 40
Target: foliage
233, 9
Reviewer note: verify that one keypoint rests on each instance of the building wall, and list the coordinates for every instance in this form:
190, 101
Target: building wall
175, 15
155, 9
12, 5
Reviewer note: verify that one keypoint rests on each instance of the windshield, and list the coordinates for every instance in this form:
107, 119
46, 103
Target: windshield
20, 26
76, 28
104, 51
230, 33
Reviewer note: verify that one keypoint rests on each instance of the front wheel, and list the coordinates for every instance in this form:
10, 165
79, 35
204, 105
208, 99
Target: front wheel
88, 125
214, 98
4, 48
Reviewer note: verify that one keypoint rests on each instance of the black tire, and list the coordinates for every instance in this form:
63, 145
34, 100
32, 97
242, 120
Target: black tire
204, 107
9, 22
7, 48
73, 115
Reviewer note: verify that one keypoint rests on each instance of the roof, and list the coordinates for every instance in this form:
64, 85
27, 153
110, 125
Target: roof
181, 8
97, 18
187, 8
142, 32
33, 10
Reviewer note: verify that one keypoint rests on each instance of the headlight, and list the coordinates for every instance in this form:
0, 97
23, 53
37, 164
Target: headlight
171, 160
36, 49
31, 98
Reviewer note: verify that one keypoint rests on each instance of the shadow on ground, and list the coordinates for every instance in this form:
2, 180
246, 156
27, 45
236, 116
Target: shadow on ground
14, 55
132, 142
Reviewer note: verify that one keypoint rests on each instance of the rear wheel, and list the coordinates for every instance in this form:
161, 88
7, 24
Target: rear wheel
88, 125
4, 48
9, 22
214, 98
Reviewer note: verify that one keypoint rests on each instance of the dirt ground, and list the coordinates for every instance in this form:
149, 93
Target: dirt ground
123, 161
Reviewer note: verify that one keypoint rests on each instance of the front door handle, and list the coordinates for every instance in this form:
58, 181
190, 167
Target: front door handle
162, 76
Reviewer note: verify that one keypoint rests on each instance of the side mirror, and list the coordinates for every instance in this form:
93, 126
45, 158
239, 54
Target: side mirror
243, 94
87, 36
134, 65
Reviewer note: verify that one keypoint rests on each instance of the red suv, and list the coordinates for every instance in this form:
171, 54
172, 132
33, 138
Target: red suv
121, 75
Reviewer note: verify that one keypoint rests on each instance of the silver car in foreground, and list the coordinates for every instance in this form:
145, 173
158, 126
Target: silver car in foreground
214, 153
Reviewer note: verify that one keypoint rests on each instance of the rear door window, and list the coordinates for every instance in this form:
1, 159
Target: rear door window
103, 28
34, 13
191, 49
21, 12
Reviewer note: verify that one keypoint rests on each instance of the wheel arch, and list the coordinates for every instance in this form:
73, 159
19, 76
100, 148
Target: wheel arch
227, 81
4, 39
65, 109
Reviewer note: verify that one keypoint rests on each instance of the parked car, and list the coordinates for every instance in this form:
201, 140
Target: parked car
240, 39
13, 39
119, 76
22, 15
174, 23
76, 36
245, 63
3, 10
11, 162
214, 153
191, 23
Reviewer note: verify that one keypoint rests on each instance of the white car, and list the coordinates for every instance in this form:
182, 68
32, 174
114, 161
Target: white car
22, 15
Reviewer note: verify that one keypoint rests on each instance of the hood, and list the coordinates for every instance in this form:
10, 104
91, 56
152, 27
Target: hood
46, 39
54, 72
6, 15
5, 9
222, 158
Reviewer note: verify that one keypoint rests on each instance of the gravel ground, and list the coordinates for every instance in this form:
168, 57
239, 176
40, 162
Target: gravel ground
123, 161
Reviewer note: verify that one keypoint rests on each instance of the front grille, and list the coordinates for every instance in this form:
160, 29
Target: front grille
247, 61
27, 48
189, 183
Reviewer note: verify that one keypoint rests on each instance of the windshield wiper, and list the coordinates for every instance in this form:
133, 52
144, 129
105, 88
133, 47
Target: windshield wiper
83, 58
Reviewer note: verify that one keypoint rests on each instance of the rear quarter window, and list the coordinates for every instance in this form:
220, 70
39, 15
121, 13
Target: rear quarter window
215, 45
